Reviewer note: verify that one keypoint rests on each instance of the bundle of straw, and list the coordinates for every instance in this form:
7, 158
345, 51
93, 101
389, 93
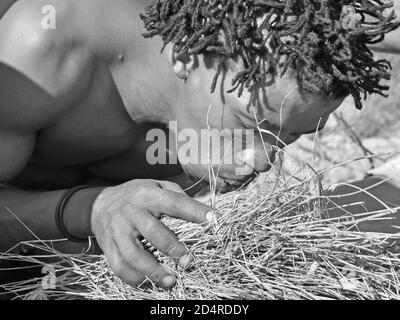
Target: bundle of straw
267, 244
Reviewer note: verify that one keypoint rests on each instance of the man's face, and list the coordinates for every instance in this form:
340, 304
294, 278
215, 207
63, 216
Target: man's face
251, 127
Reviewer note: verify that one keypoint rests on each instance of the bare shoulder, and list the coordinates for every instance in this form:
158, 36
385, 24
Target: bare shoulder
43, 57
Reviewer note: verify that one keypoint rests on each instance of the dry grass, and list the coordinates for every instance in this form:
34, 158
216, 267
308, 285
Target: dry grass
267, 244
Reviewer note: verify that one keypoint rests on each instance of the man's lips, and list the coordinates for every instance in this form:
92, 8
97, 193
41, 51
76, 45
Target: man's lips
226, 181
226, 185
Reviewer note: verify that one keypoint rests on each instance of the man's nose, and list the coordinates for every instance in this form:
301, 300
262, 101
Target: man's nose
258, 160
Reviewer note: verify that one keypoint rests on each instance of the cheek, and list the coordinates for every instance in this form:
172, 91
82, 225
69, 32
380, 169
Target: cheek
307, 120
244, 100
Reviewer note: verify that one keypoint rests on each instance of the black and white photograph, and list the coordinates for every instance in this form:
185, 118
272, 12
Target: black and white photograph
208, 151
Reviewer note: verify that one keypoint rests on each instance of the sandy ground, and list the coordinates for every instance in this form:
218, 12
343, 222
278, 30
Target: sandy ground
377, 127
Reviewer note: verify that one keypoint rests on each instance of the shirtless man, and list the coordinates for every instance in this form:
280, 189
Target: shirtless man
76, 103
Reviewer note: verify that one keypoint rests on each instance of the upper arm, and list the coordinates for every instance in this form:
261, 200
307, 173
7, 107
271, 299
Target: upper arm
42, 72
41, 76
16, 148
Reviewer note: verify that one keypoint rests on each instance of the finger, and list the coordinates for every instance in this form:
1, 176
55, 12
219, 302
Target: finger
146, 264
139, 259
120, 268
162, 238
205, 199
171, 186
183, 207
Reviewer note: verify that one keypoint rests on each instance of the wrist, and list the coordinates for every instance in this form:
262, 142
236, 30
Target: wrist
100, 206
78, 212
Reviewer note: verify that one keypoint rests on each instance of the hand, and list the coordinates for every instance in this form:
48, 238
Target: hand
123, 214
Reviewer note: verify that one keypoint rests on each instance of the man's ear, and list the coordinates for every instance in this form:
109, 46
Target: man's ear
183, 64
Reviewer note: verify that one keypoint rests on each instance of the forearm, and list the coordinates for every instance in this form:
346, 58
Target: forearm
26, 216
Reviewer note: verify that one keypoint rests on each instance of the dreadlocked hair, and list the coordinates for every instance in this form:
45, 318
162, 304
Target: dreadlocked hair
270, 36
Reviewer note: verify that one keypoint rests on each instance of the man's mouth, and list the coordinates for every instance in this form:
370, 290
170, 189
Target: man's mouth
224, 185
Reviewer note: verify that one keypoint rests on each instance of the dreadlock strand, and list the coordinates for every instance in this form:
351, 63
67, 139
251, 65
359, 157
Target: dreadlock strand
307, 36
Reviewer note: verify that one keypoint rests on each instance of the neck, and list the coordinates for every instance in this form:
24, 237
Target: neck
157, 89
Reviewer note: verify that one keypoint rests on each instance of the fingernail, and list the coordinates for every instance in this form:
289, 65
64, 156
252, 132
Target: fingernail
210, 216
168, 281
185, 260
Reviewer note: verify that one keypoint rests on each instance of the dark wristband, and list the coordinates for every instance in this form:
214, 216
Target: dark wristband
60, 214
